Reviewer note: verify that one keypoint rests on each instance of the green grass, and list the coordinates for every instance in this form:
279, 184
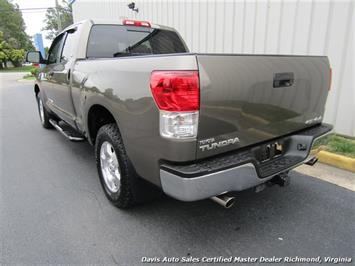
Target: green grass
342, 146
17, 69
29, 77
338, 144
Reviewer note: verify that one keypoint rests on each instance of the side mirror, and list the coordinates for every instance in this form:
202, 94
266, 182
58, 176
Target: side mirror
35, 57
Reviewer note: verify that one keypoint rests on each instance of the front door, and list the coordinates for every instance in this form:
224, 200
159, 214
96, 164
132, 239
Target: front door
58, 75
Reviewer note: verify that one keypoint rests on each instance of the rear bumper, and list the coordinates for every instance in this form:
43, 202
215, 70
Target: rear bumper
239, 170
190, 189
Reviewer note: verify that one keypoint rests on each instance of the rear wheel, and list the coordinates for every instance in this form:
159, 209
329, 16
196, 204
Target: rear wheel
43, 113
115, 172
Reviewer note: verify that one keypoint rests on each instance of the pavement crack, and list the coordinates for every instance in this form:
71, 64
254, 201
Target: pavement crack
114, 259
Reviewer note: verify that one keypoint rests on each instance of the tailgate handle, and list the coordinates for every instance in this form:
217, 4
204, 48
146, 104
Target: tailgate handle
285, 79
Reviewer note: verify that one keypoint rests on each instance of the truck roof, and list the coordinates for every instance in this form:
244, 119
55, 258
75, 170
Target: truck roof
114, 22
86, 25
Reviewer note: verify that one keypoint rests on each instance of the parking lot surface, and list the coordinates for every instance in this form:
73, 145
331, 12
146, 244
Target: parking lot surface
53, 209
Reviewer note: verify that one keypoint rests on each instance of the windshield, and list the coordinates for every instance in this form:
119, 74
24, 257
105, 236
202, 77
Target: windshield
107, 41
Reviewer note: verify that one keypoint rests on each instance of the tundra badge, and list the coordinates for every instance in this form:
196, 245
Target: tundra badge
211, 143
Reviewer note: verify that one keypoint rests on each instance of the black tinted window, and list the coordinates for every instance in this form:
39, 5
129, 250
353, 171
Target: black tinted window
115, 41
55, 50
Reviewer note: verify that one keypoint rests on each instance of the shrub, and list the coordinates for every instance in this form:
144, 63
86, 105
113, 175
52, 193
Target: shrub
34, 71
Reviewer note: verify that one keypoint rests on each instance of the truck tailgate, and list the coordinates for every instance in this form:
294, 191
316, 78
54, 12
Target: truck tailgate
247, 99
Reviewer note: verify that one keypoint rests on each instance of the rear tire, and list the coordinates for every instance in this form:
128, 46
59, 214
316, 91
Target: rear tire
115, 172
43, 113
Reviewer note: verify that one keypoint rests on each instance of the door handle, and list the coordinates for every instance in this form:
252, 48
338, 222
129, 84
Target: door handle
285, 79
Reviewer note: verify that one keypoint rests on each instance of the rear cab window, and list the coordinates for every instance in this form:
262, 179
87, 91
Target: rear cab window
109, 41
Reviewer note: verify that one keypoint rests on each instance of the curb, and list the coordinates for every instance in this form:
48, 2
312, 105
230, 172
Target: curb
336, 160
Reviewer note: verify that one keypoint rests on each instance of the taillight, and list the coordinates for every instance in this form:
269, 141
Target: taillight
177, 95
176, 90
330, 79
138, 23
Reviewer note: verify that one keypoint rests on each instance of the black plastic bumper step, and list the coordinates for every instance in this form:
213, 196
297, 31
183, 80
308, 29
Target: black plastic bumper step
66, 130
279, 165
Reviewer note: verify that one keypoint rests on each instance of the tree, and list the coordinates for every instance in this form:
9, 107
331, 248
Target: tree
13, 26
62, 14
13, 38
3, 51
16, 56
9, 53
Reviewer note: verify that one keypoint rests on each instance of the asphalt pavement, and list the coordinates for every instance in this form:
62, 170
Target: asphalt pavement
53, 210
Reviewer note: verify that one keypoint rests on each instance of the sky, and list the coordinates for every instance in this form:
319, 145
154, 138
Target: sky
34, 18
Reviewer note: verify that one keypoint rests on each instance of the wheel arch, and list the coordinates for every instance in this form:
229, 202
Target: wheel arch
97, 116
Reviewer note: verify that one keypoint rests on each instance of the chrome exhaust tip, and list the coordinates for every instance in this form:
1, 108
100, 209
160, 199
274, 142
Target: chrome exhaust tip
224, 200
312, 161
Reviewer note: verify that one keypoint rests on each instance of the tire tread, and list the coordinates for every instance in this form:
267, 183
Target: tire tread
125, 198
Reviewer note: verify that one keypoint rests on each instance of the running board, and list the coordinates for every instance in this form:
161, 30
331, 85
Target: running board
66, 130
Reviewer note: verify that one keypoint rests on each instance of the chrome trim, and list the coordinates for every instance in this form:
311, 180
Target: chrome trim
57, 127
224, 200
206, 186
202, 187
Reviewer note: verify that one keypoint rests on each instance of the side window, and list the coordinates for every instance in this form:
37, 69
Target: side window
69, 45
55, 50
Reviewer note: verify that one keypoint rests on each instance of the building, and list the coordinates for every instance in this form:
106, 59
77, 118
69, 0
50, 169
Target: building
300, 27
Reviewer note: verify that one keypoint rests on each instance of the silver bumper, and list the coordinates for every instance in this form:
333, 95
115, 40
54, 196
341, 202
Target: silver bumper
232, 179
206, 186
